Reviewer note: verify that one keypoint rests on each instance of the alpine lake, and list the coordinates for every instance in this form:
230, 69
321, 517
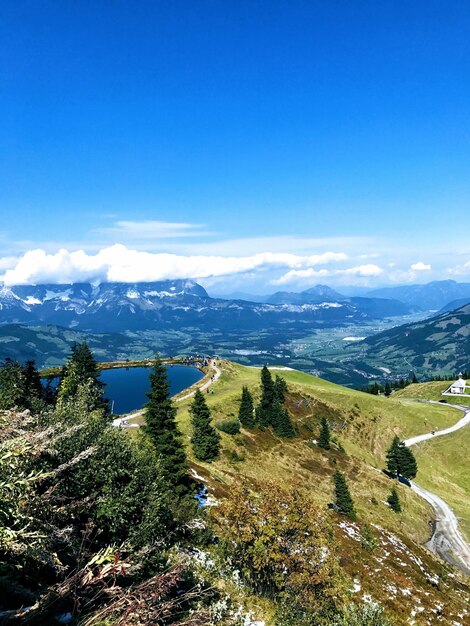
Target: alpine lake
126, 387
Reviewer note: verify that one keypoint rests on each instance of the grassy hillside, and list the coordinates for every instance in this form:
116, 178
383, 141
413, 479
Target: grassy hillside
444, 461
363, 425
445, 470
439, 345
430, 391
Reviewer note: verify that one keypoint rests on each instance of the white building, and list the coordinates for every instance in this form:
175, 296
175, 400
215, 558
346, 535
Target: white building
458, 388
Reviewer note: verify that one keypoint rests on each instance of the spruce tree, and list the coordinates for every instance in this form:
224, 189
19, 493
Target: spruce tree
401, 460
280, 389
281, 422
343, 501
81, 369
205, 440
392, 456
387, 389
394, 501
246, 411
160, 425
264, 411
324, 438
407, 462
13, 393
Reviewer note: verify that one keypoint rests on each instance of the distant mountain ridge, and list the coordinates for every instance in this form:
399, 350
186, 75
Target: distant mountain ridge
431, 296
316, 294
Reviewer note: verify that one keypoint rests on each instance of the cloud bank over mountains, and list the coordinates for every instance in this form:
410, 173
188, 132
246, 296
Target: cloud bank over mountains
152, 250
118, 263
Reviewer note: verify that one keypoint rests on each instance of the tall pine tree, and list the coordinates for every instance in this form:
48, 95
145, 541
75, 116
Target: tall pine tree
21, 387
407, 462
324, 438
343, 501
205, 440
270, 411
81, 369
392, 456
401, 460
246, 411
280, 389
160, 425
264, 410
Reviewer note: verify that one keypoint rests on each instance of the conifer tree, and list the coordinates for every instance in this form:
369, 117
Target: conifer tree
394, 501
81, 369
281, 422
324, 438
160, 425
392, 456
21, 387
407, 462
12, 385
270, 411
246, 411
343, 501
205, 440
33, 380
280, 389
387, 389
264, 411
401, 460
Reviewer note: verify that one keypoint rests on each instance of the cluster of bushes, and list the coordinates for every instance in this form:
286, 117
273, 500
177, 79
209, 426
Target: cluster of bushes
283, 546
231, 426
90, 516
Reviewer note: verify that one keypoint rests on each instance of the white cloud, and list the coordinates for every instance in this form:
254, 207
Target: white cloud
121, 264
152, 229
363, 271
460, 270
7, 262
420, 267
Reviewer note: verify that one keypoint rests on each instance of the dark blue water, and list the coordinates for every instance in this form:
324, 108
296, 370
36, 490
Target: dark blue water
127, 387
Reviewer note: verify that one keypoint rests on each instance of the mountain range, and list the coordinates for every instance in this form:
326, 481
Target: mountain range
434, 296
318, 330
174, 304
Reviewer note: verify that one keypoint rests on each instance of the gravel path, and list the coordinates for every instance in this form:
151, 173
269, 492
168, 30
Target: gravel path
447, 540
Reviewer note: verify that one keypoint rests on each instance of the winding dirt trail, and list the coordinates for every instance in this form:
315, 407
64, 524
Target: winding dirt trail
447, 540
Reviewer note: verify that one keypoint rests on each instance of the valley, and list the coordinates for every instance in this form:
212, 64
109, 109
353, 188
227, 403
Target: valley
351, 341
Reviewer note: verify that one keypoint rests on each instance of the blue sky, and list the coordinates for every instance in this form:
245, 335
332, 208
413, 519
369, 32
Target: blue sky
235, 129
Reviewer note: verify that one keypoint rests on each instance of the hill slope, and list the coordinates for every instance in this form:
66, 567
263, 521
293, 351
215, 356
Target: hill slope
363, 427
439, 345
431, 347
